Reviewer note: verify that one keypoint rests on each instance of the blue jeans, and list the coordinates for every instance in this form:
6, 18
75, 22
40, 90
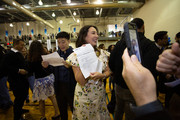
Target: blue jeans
5, 100
31, 80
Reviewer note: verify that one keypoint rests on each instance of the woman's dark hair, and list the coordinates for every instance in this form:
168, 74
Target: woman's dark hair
110, 48
16, 41
36, 49
82, 35
101, 46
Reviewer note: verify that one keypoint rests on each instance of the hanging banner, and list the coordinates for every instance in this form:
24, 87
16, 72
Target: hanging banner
45, 31
115, 26
6, 33
48, 44
56, 44
59, 29
22, 27
32, 32
74, 29
19, 32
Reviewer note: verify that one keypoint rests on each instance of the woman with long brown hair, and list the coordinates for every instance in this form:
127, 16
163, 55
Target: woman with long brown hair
89, 98
44, 79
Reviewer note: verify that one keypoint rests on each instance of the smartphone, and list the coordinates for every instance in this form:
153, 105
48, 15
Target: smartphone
132, 39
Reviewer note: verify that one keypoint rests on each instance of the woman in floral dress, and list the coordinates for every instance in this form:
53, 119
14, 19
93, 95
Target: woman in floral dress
89, 98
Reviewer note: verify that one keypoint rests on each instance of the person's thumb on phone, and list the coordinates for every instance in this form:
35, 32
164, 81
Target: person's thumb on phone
135, 61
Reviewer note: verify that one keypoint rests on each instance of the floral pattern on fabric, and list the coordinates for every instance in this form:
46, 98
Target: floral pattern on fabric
43, 88
89, 100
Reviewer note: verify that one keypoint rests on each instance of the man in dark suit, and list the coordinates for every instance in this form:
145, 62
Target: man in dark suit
5, 100
142, 85
65, 82
16, 70
161, 41
123, 96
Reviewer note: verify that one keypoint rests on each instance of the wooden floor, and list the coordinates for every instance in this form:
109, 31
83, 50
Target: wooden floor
34, 113
33, 108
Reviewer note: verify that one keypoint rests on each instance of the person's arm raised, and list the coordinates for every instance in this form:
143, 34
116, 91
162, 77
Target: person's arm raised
139, 80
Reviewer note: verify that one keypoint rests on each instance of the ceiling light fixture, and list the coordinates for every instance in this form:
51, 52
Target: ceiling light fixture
14, 3
131, 18
98, 2
27, 23
78, 21
68, 1
40, 2
61, 22
74, 13
97, 12
11, 25
53, 14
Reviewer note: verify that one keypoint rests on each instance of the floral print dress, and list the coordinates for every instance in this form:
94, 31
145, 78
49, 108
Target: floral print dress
89, 100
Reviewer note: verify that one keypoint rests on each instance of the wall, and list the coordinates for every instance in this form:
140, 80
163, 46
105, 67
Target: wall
160, 15
68, 25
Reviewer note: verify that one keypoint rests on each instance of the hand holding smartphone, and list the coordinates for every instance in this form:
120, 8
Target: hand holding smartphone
132, 40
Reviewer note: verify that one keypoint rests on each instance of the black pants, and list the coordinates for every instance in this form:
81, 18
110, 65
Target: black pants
64, 97
123, 100
20, 93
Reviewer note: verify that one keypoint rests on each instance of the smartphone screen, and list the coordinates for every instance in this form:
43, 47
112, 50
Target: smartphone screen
134, 43
131, 37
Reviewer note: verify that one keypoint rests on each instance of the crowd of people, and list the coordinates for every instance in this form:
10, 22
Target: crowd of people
136, 85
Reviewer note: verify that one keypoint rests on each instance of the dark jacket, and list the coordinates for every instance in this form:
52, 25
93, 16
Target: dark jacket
63, 74
36, 68
151, 111
148, 57
2, 53
12, 62
159, 115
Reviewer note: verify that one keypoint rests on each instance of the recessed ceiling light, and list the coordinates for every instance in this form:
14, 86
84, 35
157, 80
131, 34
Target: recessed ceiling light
14, 3
40, 2
98, 2
78, 21
61, 22
97, 12
68, 1
27, 23
74, 13
53, 14
11, 25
